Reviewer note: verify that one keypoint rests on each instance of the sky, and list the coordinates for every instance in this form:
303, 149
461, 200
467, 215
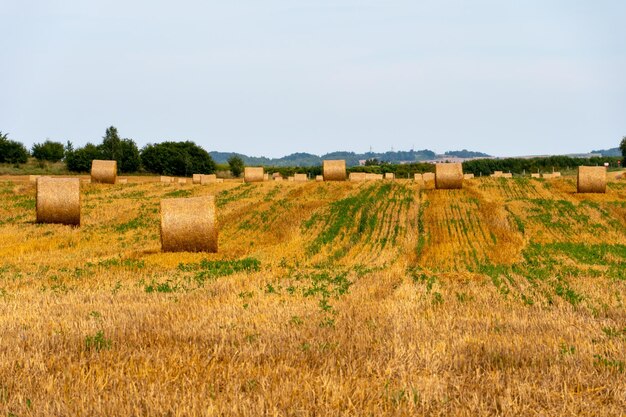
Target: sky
273, 77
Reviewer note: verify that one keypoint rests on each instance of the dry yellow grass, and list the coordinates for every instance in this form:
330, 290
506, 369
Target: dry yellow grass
334, 299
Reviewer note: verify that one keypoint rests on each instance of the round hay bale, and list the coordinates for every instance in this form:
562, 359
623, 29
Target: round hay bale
104, 172
357, 176
253, 174
208, 179
266, 177
319, 178
189, 224
276, 175
300, 177
279, 178
289, 178
58, 200
449, 176
196, 178
591, 179
390, 176
556, 174
535, 175
165, 180
334, 170
418, 177
429, 179
546, 176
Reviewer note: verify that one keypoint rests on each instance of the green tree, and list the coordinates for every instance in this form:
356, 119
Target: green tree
124, 151
622, 146
177, 158
235, 164
12, 152
48, 151
79, 160
111, 145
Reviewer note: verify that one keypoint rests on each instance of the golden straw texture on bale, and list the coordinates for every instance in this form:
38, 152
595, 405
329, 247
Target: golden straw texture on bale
253, 174
300, 177
389, 176
418, 177
448, 176
371, 176
319, 178
334, 170
58, 200
497, 174
189, 224
429, 179
208, 178
556, 174
535, 175
104, 172
547, 176
290, 178
266, 177
165, 179
196, 178
591, 179
357, 176
182, 180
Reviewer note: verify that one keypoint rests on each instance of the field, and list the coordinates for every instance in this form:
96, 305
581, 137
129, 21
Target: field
375, 298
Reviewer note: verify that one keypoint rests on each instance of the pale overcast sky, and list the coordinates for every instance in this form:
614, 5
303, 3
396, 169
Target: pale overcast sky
274, 77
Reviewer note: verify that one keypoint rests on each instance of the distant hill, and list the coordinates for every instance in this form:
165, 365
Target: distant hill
609, 152
467, 154
307, 159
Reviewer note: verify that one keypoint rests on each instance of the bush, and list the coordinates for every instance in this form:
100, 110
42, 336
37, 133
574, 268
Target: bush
12, 152
177, 158
124, 151
79, 160
48, 151
235, 164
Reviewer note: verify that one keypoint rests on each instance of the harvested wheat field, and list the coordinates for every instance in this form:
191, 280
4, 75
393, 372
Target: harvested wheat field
505, 297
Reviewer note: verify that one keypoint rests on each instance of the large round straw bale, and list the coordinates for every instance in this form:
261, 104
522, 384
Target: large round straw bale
357, 176
58, 200
103, 171
429, 179
208, 178
448, 176
319, 178
334, 170
253, 174
591, 179
300, 177
189, 224
196, 178
389, 176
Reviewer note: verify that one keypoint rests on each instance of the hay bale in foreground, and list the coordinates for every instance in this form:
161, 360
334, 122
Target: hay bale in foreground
334, 170
468, 176
300, 177
196, 178
189, 224
591, 179
104, 172
357, 176
448, 176
319, 178
208, 179
58, 200
253, 174
390, 176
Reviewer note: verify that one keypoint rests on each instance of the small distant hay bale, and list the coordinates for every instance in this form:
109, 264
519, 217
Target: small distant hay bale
507, 175
300, 177
546, 176
266, 177
418, 177
182, 180
390, 176
58, 200
429, 179
104, 172
373, 177
497, 174
556, 174
448, 176
122, 181
468, 176
319, 178
357, 176
535, 175
334, 170
189, 224
253, 174
208, 179
219, 180
279, 178
289, 178
277, 175
196, 178
165, 180
591, 179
